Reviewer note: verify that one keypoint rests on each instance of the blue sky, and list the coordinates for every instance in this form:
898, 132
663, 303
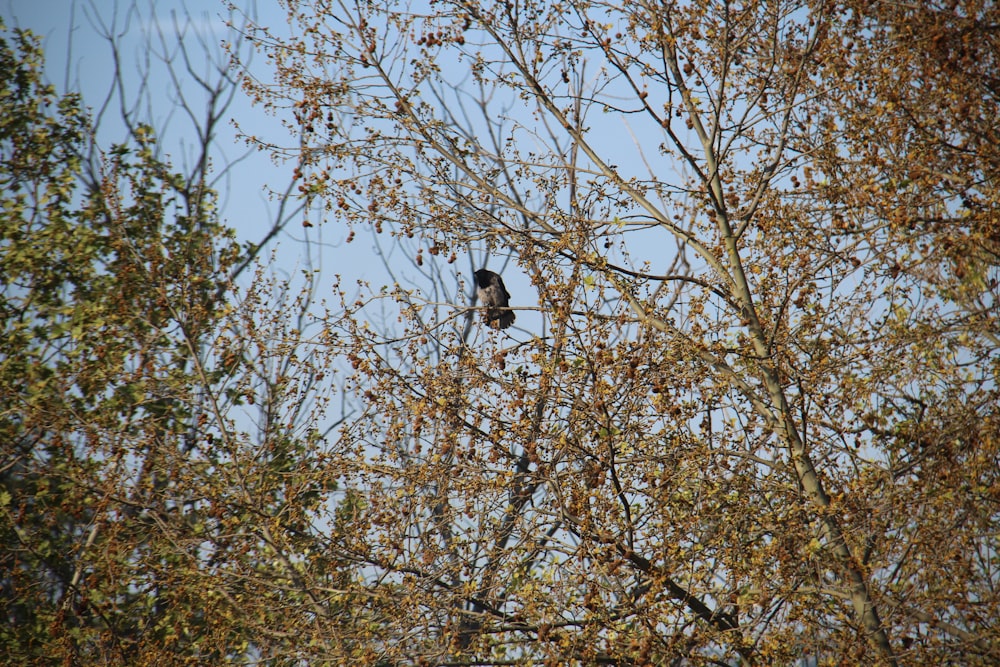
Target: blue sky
79, 58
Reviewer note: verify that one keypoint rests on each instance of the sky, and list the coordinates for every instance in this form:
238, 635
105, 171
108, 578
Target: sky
79, 58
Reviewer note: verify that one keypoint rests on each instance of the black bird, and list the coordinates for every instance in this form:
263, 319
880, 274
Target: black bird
491, 293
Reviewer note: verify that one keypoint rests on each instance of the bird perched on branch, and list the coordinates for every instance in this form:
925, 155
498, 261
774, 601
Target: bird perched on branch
491, 293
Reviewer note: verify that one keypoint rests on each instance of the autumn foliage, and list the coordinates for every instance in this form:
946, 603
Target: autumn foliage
747, 413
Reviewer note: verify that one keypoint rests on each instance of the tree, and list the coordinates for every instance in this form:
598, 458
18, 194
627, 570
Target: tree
153, 422
754, 419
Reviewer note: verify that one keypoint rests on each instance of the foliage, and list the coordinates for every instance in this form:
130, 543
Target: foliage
754, 419
137, 481
747, 415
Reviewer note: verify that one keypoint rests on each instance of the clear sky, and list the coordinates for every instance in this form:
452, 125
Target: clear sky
78, 57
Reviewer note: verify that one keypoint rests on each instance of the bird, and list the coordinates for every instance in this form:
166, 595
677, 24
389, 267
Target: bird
491, 293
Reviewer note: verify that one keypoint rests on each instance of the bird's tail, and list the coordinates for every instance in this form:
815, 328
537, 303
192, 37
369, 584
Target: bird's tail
501, 319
